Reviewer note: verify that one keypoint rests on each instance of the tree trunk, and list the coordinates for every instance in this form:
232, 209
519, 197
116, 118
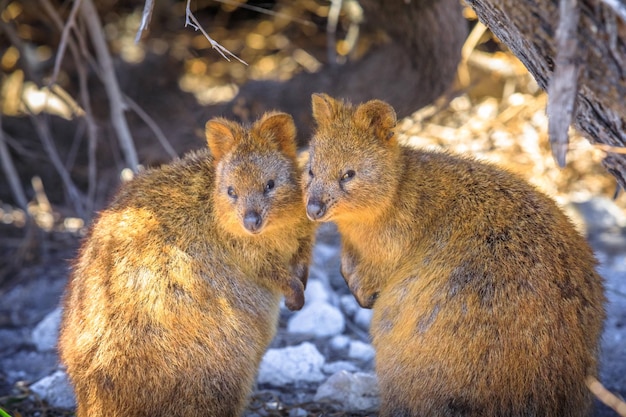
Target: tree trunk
528, 28
410, 71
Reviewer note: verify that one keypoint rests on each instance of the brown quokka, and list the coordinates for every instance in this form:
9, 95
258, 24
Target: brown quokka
174, 296
486, 299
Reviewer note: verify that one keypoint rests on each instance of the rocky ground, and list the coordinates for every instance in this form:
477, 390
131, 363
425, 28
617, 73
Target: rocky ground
321, 362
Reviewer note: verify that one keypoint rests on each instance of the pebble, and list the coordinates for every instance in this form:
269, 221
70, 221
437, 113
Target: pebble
339, 342
302, 363
46, 333
317, 319
352, 391
363, 318
361, 351
56, 390
316, 292
349, 305
334, 367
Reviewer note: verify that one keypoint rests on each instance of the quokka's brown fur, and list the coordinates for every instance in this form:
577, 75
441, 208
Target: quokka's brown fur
486, 301
174, 296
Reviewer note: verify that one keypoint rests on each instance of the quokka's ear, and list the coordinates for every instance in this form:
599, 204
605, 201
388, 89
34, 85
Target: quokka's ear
280, 128
324, 107
221, 136
378, 116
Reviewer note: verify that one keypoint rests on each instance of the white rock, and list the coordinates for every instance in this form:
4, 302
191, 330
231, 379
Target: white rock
361, 351
349, 305
46, 333
55, 390
323, 253
315, 292
298, 412
334, 367
317, 319
291, 364
339, 342
353, 392
363, 318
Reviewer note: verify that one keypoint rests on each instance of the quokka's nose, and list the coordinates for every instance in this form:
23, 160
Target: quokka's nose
315, 209
252, 221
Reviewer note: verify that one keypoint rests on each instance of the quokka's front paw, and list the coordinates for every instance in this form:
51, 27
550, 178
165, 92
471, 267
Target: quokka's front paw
294, 296
301, 273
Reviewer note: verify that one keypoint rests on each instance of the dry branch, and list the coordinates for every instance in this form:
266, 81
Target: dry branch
11, 173
149, 121
85, 100
146, 16
606, 396
43, 131
528, 28
116, 102
563, 85
190, 20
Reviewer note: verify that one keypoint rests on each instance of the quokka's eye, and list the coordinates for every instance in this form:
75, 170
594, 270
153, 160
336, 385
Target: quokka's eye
231, 192
269, 186
348, 175
311, 173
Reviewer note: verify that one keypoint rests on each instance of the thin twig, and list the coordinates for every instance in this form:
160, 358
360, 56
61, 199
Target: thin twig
11, 173
468, 47
43, 132
146, 16
16, 41
266, 11
92, 130
149, 121
190, 20
116, 103
606, 396
331, 31
63, 42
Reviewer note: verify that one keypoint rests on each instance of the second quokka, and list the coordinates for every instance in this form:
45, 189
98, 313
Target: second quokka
486, 299
174, 296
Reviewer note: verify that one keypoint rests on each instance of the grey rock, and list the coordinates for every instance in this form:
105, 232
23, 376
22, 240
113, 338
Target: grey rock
46, 333
28, 366
351, 391
339, 343
56, 390
316, 291
298, 412
349, 305
361, 351
302, 363
334, 367
363, 318
600, 213
317, 319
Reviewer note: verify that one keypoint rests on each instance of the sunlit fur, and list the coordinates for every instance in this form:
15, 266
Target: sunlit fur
486, 301
171, 303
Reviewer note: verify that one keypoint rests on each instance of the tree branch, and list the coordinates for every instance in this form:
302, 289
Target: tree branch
116, 103
11, 173
563, 86
190, 20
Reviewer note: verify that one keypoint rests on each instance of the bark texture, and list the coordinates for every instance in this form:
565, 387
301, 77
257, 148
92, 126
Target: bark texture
528, 28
